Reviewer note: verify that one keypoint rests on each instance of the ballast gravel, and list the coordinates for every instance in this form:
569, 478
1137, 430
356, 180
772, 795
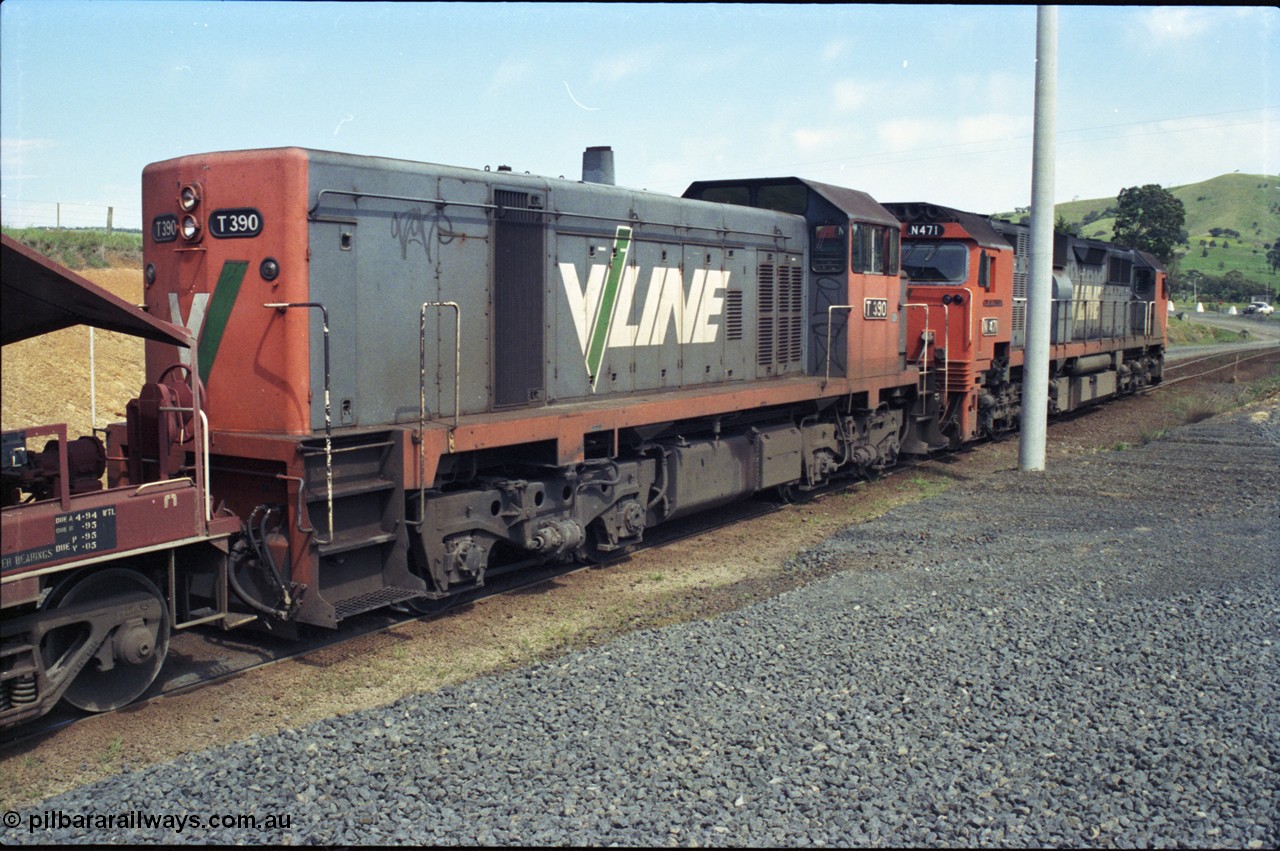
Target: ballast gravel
1081, 657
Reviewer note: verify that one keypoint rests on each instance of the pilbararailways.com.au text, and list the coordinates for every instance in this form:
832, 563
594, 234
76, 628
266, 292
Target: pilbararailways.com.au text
140, 820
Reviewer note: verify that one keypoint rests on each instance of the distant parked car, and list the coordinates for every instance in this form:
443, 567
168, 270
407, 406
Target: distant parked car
1260, 307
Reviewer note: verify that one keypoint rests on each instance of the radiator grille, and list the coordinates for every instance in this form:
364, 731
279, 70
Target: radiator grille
519, 263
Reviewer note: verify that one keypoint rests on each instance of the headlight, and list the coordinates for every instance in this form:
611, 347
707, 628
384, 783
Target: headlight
189, 197
190, 228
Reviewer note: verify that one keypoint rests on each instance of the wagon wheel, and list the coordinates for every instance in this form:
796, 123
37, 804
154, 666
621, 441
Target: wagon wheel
133, 652
182, 397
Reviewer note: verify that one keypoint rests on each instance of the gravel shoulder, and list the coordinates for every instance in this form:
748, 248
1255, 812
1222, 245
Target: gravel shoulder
1080, 657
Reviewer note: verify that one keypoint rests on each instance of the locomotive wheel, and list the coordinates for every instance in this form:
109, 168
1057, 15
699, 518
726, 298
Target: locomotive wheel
432, 605
135, 650
590, 553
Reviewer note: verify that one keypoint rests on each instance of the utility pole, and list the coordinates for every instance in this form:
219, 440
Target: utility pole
1035, 368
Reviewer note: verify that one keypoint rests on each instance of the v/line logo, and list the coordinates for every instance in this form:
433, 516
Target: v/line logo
601, 310
209, 315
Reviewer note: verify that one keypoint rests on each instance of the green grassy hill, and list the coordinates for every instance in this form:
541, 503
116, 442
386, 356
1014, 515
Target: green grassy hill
1246, 204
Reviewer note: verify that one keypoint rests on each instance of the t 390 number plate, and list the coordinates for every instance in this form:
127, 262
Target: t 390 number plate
235, 223
875, 308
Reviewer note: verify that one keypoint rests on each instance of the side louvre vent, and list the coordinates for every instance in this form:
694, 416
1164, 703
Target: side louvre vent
733, 314
780, 330
764, 328
1020, 279
790, 319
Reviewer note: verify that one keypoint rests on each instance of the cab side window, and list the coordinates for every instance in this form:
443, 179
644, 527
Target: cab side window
875, 250
829, 243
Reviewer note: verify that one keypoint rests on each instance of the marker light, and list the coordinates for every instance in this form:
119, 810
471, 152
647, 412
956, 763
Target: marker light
189, 197
269, 269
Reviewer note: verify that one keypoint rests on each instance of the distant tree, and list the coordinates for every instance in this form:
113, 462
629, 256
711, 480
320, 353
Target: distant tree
1150, 218
1273, 256
1061, 225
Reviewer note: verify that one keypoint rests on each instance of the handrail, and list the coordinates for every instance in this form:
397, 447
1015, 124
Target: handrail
1102, 318
946, 351
422, 358
634, 220
827, 379
925, 339
204, 485
208, 488
328, 409
422, 392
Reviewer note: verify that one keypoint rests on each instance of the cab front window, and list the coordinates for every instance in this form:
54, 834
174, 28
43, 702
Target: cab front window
935, 262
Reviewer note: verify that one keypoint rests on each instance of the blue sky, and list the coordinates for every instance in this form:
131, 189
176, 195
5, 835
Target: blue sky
916, 102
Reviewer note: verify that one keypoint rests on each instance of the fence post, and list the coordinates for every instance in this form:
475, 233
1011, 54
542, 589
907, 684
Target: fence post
110, 212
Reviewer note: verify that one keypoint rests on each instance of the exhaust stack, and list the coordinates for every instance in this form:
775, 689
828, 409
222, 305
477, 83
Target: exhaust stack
597, 165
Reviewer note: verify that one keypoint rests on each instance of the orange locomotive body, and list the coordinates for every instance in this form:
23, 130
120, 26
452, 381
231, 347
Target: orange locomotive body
966, 318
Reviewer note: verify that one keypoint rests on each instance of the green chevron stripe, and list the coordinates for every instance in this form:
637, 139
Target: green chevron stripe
608, 298
215, 322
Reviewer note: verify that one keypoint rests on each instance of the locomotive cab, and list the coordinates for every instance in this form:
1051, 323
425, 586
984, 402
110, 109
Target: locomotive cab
962, 316
850, 322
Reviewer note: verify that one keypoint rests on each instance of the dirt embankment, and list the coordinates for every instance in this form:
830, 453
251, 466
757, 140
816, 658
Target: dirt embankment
46, 380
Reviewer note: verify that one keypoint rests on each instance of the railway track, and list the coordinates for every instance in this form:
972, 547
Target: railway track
205, 657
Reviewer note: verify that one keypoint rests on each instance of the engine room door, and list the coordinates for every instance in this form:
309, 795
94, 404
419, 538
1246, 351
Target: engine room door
518, 282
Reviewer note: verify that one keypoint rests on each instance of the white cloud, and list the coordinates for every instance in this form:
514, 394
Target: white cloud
509, 74
848, 95
622, 65
1160, 153
992, 128
1179, 23
17, 157
812, 140
909, 133
835, 49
